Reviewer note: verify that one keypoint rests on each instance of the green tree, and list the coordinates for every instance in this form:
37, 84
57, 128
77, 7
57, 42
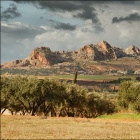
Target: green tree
76, 98
55, 96
138, 78
75, 77
129, 96
9, 92
98, 105
130, 71
3, 88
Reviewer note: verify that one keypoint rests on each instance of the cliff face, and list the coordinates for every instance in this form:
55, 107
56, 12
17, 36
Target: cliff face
107, 51
105, 46
87, 49
43, 56
39, 55
86, 52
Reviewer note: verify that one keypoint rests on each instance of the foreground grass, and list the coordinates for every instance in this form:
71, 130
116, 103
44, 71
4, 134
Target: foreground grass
26, 127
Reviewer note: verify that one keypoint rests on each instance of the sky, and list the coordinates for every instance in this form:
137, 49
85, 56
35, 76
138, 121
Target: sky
66, 25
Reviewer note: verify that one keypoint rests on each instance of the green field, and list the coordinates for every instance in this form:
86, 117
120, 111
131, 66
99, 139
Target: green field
121, 116
89, 77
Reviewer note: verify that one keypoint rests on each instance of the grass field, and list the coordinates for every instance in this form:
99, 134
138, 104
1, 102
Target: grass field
27, 127
121, 116
89, 77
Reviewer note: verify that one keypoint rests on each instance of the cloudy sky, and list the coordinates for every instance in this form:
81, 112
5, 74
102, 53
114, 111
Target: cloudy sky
66, 25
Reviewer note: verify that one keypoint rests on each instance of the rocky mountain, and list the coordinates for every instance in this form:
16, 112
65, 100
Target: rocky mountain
43, 56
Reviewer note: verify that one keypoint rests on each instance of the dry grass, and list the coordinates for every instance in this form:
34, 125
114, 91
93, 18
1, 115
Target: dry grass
23, 127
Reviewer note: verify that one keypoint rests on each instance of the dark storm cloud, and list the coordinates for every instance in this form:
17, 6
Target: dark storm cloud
87, 12
62, 26
128, 2
41, 17
10, 13
24, 1
65, 26
130, 18
53, 5
82, 1
58, 5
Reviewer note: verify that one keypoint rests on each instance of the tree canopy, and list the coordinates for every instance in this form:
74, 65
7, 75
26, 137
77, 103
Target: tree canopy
31, 96
129, 95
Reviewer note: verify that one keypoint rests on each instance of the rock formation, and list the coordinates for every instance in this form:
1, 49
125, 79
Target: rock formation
132, 51
97, 52
43, 56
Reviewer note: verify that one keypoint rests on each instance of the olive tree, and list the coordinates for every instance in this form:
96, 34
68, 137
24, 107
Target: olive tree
129, 96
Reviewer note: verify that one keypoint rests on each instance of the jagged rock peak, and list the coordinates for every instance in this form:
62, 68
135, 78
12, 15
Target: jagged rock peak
104, 42
105, 45
132, 50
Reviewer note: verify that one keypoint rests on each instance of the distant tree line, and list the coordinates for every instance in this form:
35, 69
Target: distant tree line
119, 80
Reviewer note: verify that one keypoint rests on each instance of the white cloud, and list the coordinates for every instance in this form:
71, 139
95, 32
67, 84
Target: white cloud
129, 33
17, 37
119, 35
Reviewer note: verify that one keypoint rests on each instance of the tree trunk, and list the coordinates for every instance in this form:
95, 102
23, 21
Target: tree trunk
3, 110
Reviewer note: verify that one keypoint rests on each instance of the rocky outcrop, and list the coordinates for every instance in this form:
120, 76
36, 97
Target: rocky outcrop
87, 49
119, 52
11, 64
132, 51
107, 50
97, 52
105, 46
40, 54
86, 52
16, 62
44, 56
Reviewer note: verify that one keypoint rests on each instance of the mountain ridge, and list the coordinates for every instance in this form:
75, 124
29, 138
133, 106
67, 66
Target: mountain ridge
43, 56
